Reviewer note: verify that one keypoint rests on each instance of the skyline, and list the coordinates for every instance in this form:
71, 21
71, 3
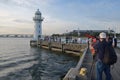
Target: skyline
16, 16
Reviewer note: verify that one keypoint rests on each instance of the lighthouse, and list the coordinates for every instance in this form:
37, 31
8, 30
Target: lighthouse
38, 25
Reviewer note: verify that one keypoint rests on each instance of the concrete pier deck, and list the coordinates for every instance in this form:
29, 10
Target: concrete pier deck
115, 69
88, 63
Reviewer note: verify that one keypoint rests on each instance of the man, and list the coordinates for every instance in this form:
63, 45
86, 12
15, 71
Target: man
100, 50
93, 42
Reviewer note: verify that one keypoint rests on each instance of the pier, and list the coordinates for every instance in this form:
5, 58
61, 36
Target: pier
72, 48
86, 61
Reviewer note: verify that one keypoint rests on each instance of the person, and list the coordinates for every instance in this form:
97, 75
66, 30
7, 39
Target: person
114, 42
109, 40
100, 66
93, 42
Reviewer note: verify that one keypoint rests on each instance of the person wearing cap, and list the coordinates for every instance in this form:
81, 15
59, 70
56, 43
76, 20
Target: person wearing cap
100, 66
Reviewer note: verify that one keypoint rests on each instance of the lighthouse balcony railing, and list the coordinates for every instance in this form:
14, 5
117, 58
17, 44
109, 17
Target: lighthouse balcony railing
39, 19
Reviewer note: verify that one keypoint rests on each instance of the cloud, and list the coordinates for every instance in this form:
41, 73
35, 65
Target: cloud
53, 25
22, 21
60, 15
27, 3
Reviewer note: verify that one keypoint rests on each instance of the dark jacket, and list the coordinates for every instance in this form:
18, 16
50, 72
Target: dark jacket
100, 49
110, 41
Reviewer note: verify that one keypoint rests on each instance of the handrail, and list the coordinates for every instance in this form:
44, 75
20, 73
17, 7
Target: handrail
81, 59
72, 73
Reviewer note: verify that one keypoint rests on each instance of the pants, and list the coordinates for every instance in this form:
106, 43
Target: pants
100, 68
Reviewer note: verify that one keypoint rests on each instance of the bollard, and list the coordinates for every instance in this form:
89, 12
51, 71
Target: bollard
83, 71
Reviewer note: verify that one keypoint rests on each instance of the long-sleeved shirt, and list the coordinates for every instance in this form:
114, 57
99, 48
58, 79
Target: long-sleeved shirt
100, 49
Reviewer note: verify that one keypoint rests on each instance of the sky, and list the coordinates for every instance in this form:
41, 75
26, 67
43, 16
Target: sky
60, 16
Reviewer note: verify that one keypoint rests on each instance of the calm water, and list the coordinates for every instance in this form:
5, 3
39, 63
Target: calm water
18, 61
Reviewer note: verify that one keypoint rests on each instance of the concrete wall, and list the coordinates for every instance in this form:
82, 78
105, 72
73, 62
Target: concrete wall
74, 72
63, 47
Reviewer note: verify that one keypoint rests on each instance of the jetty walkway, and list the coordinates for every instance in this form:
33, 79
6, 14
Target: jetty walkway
116, 69
87, 62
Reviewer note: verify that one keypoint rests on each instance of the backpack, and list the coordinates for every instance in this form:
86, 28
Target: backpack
110, 56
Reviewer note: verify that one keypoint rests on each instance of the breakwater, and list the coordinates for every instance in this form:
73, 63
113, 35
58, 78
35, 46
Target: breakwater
62, 47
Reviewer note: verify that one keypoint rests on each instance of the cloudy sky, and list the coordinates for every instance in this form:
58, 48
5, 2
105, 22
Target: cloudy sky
59, 15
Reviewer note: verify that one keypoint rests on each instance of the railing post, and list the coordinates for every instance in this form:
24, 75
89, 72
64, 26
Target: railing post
63, 45
49, 45
40, 43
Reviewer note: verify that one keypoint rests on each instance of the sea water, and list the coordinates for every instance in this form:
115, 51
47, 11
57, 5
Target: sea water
19, 61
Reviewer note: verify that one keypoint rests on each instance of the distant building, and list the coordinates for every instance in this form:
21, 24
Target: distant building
92, 32
87, 31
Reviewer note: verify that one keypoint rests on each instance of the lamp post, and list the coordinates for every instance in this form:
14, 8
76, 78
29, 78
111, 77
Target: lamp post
66, 36
109, 31
78, 32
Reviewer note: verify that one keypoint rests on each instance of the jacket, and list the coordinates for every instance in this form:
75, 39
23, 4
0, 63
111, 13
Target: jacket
100, 49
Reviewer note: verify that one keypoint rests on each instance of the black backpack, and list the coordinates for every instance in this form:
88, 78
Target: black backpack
110, 56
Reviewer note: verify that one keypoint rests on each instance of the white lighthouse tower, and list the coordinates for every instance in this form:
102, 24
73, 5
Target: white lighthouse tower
37, 27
